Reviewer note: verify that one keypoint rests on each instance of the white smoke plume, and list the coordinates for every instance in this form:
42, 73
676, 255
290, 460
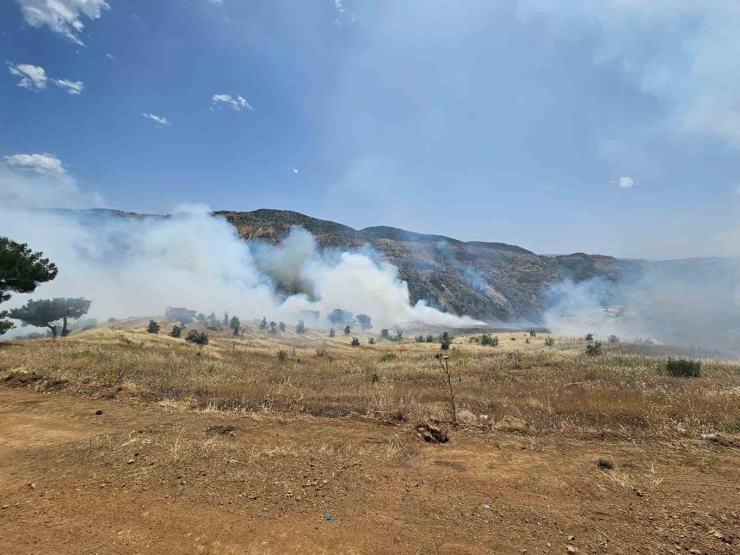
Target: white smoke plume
138, 266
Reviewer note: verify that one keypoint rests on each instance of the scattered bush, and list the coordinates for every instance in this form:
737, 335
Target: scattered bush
176, 331
388, 356
419, 339
445, 345
301, 328
384, 334
111, 320
199, 338
374, 378
532, 333
371, 341
549, 341
321, 352
153, 327
430, 338
527, 341
487, 339
399, 335
594, 350
355, 342
605, 464
281, 327
263, 324
683, 368
273, 328
613, 339
347, 330
282, 355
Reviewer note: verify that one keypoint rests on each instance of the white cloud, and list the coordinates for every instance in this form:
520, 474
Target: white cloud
32, 77
160, 121
41, 181
626, 182
46, 163
683, 52
294, 170
110, 57
73, 87
62, 16
226, 99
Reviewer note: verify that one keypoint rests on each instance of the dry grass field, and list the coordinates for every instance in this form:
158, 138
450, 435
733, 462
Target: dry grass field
516, 384
119, 441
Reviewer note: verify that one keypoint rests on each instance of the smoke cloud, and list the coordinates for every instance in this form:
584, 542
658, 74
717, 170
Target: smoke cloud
690, 302
138, 266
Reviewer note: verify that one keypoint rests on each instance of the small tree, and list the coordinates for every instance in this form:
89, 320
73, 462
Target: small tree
153, 327
263, 324
176, 331
340, 317
399, 335
226, 320
355, 342
445, 345
371, 341
590, 337
273, 328
419, 338
21, 271
301, 328
332, 333
384, 334
347, 330
212, 318
532, 334
364, 321
47, 313
281, 326
235, 324
185, 321
430, 338
445, 364
613, 339
111, 320
201, 317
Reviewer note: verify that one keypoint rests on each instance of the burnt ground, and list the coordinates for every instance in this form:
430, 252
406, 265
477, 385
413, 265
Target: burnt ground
149, 478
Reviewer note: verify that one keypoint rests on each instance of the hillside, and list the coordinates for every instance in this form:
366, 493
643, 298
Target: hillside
484, 280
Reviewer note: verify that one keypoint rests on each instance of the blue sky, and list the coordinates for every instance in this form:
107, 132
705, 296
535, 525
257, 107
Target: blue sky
604, 126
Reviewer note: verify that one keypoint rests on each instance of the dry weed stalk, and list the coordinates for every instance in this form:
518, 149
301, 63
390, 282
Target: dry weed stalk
446, 369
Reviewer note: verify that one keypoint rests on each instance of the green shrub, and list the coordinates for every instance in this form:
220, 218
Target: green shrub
613, 339
590, 337
419, 339
331, 332
176, 331
371, 341
199, 338
355, 342
282, 355
153, 327
301, 328
430, 338
487, 339
594, 350
549, 341
683, 368
388, 356
384, 334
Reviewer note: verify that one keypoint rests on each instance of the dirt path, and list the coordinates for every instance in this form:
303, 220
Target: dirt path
145, 479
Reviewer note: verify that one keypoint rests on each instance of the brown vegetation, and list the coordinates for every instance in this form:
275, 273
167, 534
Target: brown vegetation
516, 385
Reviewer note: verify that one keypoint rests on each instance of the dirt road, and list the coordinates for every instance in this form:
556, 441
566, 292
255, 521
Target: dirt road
154, 479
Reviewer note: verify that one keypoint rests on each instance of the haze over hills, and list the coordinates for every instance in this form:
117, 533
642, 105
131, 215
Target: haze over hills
484, 280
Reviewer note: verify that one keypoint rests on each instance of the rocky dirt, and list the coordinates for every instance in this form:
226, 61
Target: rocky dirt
152, 478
